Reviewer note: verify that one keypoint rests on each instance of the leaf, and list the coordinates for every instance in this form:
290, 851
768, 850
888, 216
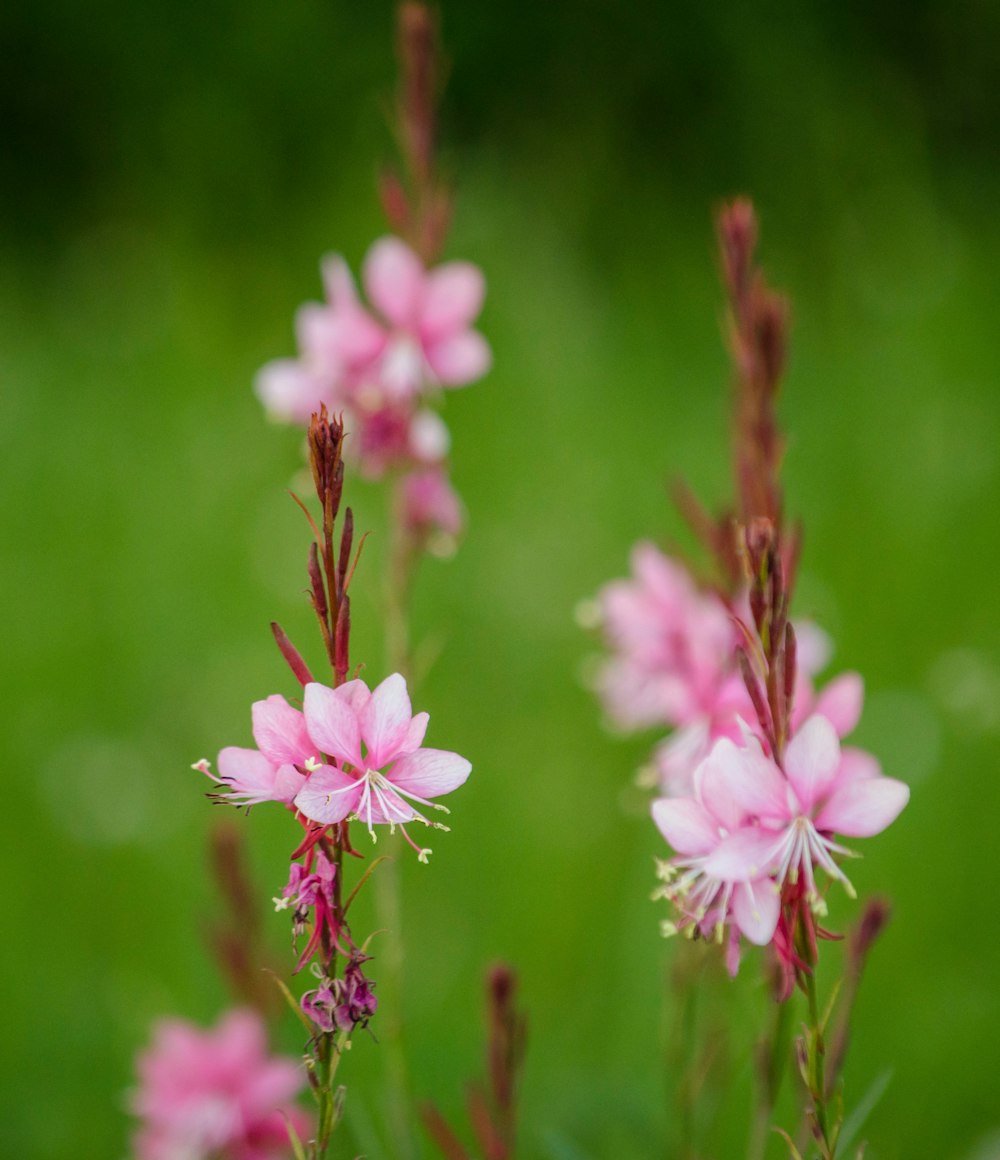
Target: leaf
857, 1119
363, 879
792, 1150
293, 1137
292, 1002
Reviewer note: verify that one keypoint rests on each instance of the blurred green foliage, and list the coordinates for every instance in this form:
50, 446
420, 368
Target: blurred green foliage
172, 173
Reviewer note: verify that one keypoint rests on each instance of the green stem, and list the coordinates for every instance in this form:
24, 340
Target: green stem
401, 564
817, 1055
771, 1068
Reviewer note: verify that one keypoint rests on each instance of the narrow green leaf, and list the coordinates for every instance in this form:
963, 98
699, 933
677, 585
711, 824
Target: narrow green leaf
293, 1138
792, 1150
363, 879
291, 1001
857, 1119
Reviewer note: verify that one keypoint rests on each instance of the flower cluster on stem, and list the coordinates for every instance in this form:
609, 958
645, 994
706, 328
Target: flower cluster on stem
385, 360
757, 793
350, 754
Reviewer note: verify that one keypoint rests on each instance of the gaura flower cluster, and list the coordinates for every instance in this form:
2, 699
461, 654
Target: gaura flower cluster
215, 1093
382, 367
350, 754
756, 791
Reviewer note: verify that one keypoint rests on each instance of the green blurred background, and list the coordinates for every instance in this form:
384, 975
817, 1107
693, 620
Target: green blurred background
171, 175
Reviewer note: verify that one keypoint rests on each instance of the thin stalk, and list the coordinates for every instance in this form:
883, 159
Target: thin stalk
771, 1068
388, 903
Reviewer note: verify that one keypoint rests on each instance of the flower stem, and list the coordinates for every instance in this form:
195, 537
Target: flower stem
772, 1053
399, 577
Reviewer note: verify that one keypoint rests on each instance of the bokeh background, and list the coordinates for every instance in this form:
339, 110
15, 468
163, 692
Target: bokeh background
171, 175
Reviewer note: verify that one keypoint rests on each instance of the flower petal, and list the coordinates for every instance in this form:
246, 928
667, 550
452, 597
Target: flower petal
863, 807
756, 906
687, 825
415, 733
329, 795
452, 299
856, 764
811, 761
287, 783
429, 773
280, 732
734, 782
394, 279
248, 774
385, 721
290, 390
840, 702
743, 856
333, 723
459, 359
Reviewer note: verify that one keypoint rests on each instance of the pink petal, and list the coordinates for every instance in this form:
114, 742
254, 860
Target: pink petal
813, 648
452, 299
415, 733
428, 773
356, 340
756, 906
840, 702
280, 732
460, 359
864, 807
332, 723
856, 764
291, 391
356, 693
329, 795
429, 438
338, 282
287, 783
714, 779
249, 774
743, 856
734, 782
385, 721
811, 761
688, 827
394, 279
678, 756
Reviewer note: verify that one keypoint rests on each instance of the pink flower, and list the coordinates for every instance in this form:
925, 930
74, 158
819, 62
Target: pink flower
215, 1093
430, 503
379, 772
273, 771
422, 337
695, 826
352, 753
795, 810
674, 647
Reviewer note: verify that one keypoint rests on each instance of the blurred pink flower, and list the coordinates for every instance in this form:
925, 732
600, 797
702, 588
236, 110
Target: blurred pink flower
215, 1094
673, 646
380, 771
429, 502
422, 338
423, 335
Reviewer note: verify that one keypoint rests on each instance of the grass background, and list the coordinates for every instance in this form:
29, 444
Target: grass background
172, 175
